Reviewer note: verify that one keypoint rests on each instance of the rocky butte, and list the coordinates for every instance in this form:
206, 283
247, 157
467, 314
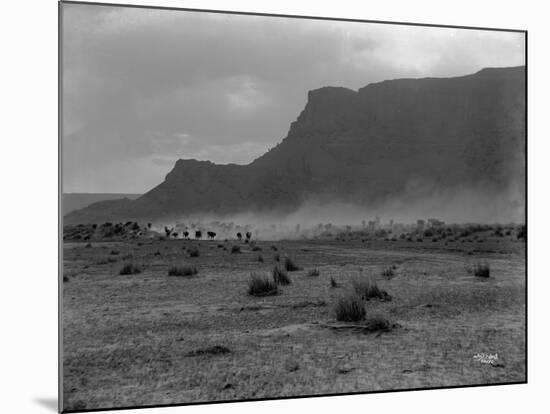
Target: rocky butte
362, 147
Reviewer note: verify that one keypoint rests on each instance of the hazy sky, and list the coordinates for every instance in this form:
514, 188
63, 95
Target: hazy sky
142, 88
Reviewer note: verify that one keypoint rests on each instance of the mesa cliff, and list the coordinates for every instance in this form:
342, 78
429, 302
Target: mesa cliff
362, 147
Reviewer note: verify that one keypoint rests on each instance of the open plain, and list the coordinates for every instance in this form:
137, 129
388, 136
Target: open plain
149, 338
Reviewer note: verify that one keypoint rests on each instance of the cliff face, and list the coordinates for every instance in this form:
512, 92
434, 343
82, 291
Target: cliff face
363, 146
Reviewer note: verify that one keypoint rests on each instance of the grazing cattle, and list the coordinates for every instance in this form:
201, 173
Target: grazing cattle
198, 234
239, 236
248, 236
168, 231
175, 234
186, 234
211, 235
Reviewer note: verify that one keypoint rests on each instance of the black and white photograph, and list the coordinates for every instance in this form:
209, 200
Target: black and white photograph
258, 206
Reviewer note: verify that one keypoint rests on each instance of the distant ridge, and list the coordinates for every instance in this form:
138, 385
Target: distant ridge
362, 146
76, 201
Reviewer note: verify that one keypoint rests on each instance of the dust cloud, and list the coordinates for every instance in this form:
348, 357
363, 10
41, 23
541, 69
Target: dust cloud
320, 216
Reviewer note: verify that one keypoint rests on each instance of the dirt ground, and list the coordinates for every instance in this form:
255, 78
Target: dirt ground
150, 338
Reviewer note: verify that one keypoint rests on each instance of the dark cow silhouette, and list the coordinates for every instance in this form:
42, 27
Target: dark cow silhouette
186, 234
248, 236
175, 234
239, 236
211, 235
168, 231
198, 234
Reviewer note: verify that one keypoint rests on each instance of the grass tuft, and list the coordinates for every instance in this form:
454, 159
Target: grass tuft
314, 272
290, 266
482, 270
378, 323
182, 270
367, 289
280, 276
522, 232
388, 273
261, 285
235, 249
193, 252
130, 268
212, 350
350, 308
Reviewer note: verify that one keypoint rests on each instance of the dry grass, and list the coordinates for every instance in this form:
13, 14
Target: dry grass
126, 338
314, 272
290, 266
367, 289
280, 276
350, 308
130, 268
378, 323
482, 270
261, 285
182, 270
212, 350
388, 273
193, 251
